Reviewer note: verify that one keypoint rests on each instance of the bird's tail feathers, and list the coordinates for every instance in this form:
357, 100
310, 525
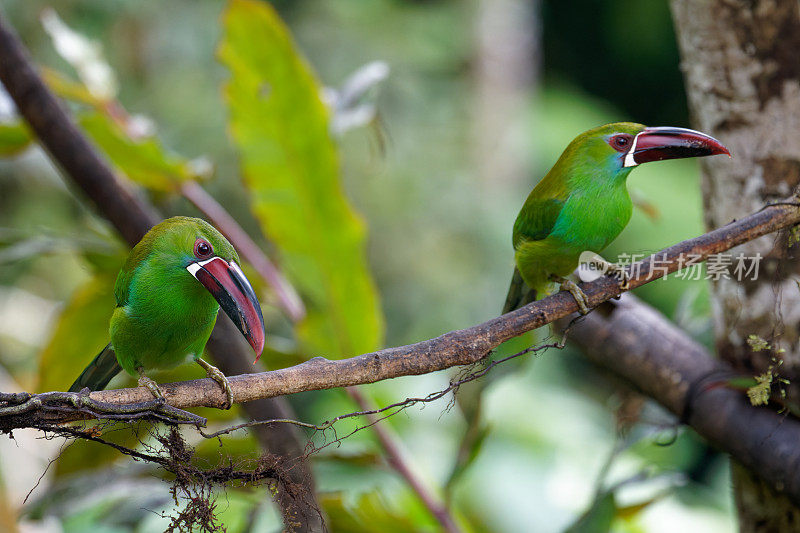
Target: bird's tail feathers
519, 293
99, 372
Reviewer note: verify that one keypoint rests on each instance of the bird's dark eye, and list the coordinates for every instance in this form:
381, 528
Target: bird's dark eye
202, 249
620, 142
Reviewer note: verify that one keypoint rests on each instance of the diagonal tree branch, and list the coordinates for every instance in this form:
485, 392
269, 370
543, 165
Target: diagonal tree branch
396, 459
628, 337
455, 348
67, 145
638, 343
465, 346
680, 375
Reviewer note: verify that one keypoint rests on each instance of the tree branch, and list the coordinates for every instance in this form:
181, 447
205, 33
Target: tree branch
455, 348
639, 344
678, 377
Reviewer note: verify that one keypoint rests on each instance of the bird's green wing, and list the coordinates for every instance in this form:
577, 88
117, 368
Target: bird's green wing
122, 287
536, 219
535, 222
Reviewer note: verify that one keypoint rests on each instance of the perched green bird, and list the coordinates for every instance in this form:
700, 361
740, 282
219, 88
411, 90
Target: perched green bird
583, 204
168, 294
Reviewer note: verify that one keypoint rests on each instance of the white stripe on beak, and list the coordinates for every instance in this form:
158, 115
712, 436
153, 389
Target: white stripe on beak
629, 161
193, 268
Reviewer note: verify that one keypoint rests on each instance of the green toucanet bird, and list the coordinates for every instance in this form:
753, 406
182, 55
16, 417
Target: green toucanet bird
583, 204
168, 294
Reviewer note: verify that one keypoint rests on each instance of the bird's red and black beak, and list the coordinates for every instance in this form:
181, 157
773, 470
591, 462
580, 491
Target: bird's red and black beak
228, 285
658, 144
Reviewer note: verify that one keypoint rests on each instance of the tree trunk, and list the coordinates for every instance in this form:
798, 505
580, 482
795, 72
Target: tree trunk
741, 63
506, 70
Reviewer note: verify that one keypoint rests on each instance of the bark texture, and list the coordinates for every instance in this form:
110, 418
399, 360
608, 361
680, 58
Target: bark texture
741, 62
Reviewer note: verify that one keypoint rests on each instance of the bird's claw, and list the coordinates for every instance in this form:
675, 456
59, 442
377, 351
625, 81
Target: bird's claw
152, 386
217, 375
576, 292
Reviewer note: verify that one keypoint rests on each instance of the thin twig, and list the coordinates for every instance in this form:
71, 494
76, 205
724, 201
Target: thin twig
395, 458
641, 346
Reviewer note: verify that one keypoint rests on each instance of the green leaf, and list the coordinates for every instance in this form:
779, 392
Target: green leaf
741, 382
69, 89
368, 459
237, 444
370, 512
290, 164
81, 332
14, 138
145, 161
598, 518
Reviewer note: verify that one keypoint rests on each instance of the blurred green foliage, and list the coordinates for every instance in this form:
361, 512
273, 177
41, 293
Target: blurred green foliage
142, 160
14, 138
87, 312
438, 244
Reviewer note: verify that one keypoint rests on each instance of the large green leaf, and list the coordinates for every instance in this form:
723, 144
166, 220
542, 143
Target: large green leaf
290, 164
143, 159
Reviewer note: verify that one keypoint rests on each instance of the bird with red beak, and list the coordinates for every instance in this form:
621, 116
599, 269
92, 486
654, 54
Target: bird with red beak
168, 294
582, 204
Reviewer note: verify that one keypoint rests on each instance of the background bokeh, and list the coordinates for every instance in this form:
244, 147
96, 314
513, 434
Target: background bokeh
439, 247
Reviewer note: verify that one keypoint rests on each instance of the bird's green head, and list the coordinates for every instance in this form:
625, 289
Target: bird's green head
619, 147
184, 247
190, 239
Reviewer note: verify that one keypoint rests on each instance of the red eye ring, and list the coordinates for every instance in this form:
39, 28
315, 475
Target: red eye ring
620, 142
202, 249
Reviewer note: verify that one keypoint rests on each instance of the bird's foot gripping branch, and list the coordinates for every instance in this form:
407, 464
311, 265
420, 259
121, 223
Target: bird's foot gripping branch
455, 348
